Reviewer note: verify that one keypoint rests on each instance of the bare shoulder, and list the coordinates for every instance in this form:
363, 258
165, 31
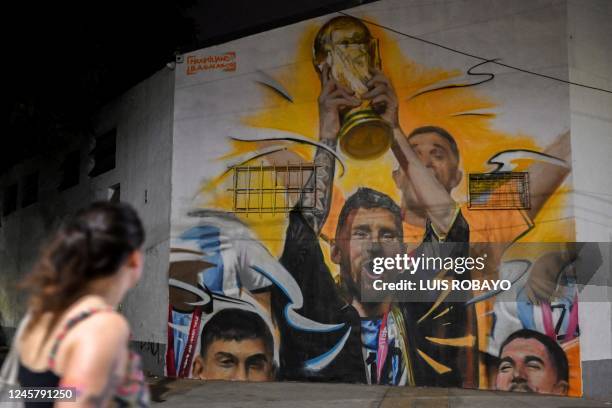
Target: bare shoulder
110, 321
103, 327
92, 344
96, 353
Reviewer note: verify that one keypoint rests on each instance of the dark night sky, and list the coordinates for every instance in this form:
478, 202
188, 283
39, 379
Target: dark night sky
65, 60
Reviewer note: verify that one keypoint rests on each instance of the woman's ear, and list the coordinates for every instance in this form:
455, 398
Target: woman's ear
135, 259
135, 264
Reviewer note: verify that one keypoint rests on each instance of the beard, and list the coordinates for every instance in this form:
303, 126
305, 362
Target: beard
358, 280
350, 282
520, 386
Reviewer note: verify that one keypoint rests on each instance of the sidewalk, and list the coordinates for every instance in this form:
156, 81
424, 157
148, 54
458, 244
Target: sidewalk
190, 393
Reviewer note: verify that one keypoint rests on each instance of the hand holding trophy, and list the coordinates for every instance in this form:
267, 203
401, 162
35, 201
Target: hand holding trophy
333, 100
345, 52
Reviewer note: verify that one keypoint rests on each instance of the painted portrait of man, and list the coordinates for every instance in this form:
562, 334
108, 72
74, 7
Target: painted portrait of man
236, 345
532, 362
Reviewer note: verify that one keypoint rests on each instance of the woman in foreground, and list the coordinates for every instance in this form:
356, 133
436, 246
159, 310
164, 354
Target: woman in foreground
74, 337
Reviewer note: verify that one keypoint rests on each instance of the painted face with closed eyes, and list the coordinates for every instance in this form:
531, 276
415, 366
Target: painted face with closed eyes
527, 366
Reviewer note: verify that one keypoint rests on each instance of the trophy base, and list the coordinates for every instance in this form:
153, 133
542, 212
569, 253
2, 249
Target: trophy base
364, 135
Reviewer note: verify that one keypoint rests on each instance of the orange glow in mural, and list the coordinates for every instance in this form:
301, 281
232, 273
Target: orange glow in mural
464, 112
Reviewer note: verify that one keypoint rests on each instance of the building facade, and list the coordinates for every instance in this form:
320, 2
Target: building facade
231, 155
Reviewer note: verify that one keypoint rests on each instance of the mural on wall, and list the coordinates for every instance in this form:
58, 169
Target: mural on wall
353, 152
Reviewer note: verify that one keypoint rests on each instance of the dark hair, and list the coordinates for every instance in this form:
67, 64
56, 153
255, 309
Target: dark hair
92, 244
367, 198
237, 325
556, 353
441, 132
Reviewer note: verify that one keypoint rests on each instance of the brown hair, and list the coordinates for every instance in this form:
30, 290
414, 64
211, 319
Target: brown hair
92, 244
440, 132
368, 198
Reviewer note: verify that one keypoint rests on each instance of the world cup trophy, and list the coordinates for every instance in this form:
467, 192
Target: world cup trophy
346, 45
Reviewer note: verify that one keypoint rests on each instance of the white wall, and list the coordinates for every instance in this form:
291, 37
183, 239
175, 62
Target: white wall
590, 62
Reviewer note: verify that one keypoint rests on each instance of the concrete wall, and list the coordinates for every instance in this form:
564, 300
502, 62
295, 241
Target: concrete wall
143, 119
590, 62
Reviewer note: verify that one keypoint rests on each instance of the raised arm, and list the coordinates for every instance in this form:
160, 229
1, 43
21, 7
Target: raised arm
321, 181
333, 99
421, 183
545, 178
434, 199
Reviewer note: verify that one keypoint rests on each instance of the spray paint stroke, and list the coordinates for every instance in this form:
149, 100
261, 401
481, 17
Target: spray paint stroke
292, 291
268, 81
252, 264
503, 161
275, 135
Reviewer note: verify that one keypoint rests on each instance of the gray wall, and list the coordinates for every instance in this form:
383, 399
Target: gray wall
143, 118
590, 62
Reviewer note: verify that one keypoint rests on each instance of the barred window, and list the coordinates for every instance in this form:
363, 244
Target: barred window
499, 190
272, 189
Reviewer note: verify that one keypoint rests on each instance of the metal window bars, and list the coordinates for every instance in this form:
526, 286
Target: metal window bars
499, 190
273, 189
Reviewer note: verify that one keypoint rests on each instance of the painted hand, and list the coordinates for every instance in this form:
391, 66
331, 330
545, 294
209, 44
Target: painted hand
333, 100
383, 97
543, 280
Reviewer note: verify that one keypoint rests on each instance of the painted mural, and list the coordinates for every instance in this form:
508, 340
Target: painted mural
330, 143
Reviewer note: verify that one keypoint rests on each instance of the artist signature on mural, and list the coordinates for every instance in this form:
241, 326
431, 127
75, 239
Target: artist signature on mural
219, 62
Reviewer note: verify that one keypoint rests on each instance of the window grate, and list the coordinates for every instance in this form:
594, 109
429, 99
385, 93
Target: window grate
499, 190
272, 189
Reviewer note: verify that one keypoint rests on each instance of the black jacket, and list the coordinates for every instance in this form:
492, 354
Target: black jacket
324, 303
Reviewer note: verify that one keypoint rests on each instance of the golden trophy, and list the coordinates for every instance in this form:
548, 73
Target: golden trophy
347, 46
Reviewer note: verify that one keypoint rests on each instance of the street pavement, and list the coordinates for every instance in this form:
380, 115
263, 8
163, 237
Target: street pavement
219, 394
